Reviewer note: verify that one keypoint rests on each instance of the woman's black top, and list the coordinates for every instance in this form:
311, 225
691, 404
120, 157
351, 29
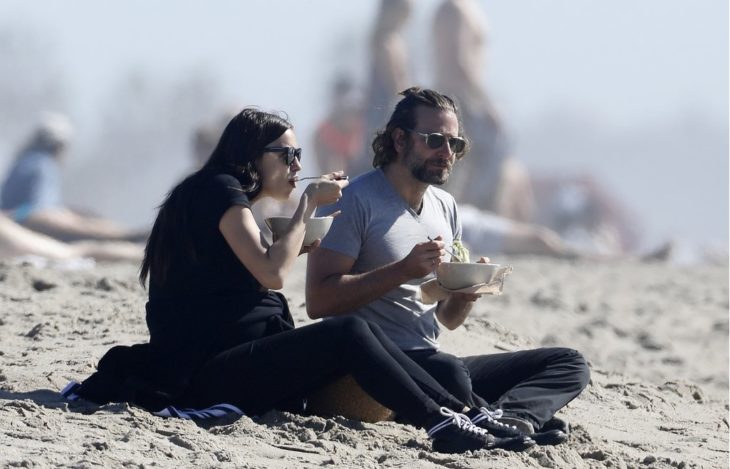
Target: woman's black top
203, 266
208, 302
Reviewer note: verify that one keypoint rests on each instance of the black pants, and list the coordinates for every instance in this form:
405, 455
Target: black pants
267, 373
530, 384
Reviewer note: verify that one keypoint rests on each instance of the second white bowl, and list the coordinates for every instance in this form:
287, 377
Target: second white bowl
316, 227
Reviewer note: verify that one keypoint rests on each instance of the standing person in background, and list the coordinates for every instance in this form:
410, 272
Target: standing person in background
31, 193
205, 138
338, 139
388, 70
491, 178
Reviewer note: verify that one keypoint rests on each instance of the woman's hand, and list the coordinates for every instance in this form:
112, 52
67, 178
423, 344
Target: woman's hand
327, 189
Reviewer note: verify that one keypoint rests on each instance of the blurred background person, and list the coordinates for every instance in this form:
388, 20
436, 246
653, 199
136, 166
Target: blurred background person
570, 217
488, 234
338, 139
31, 192
205, 138
17, 241
388, 72
584, 214
489, 178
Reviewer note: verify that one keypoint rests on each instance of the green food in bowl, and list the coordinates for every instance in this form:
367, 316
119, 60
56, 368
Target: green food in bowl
459, 252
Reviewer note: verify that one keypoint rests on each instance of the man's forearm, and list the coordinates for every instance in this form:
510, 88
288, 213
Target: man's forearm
342, 293
453, 311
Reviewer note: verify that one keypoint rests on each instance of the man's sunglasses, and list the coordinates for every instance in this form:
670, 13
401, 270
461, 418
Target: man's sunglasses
437, 140
289, 153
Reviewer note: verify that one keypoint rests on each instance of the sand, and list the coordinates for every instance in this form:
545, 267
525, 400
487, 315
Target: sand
656, 337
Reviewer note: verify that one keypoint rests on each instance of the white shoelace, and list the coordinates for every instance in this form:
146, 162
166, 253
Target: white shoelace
460, 420
491, 416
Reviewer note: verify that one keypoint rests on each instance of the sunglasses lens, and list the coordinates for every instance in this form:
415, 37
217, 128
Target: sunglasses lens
291, 154
435, 141
457, 145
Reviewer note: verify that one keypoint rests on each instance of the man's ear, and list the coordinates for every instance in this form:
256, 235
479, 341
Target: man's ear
399, 140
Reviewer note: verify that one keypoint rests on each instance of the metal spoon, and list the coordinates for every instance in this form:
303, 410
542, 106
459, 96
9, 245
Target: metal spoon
338, 178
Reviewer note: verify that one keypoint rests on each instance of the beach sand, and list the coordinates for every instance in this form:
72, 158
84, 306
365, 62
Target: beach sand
655, 335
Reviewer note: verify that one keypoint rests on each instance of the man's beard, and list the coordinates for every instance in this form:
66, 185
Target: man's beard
420, 171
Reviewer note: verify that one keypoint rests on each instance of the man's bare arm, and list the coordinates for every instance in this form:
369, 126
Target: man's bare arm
453, 311
333, 290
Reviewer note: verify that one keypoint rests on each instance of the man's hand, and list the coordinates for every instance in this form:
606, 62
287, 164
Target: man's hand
453, 311
464, 297
423, 258
307, 249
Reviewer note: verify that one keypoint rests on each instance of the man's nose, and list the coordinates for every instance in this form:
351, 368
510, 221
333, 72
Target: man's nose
447, 149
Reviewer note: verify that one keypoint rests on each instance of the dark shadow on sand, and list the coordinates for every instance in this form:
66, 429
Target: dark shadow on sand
51, 399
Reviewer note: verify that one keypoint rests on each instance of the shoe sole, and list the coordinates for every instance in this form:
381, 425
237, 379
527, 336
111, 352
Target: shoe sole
550, 437
519, 443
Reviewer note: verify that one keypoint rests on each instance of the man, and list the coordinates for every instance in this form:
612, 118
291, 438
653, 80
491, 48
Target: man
378, 252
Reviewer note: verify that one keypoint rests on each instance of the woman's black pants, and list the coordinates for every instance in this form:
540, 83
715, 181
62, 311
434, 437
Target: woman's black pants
265, 373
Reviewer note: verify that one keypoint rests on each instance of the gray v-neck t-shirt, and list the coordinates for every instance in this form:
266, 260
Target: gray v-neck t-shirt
376, 228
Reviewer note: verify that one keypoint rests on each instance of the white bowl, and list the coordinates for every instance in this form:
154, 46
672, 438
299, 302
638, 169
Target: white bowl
457, 275
316, 227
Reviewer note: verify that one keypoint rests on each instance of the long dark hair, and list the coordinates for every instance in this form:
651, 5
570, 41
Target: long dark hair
239, 149
404, 117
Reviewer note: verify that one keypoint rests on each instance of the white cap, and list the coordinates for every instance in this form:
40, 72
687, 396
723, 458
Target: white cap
54, 128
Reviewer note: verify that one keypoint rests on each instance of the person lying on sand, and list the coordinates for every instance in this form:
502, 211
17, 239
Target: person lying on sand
16, 241
220, 333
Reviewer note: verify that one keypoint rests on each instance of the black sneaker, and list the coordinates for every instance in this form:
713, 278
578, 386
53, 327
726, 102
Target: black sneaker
556, 423
487, 419
456, 434
554, 432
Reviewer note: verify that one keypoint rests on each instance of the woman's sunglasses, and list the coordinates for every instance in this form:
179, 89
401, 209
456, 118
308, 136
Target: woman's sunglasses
289, 153
436, 140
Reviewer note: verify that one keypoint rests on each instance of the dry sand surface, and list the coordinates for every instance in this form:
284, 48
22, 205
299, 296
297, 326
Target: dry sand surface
656, 337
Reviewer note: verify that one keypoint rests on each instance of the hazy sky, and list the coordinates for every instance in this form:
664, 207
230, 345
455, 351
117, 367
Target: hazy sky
619, 65
626, 60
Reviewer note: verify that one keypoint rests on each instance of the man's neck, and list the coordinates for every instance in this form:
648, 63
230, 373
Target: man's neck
410, 188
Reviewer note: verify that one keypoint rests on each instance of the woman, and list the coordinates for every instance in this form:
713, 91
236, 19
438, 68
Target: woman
218, 331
